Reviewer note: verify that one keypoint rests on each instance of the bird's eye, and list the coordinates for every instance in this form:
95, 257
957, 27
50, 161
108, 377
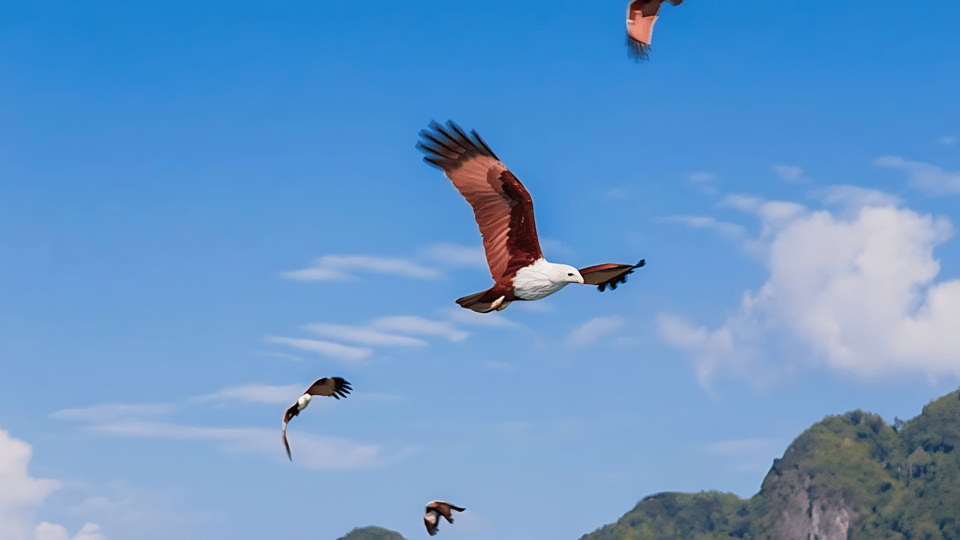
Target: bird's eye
569, 274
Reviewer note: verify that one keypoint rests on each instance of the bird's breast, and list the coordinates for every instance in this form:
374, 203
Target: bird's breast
533, 282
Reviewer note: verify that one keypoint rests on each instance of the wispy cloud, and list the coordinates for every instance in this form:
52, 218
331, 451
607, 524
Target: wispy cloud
114, 411
728, 230
948, 139
366, 336
433, 260
314, 452
924, 175
419, 326
854, 198
49, 531
324, 348
595, 329
344, 268
258, 393
790, 173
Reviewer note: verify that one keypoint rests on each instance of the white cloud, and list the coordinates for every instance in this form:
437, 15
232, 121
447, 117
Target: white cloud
790, 173
858, 291
390, 331
366, 336
311, 451
114, 411
342, 268
324, 348
258, 393
594, 329
948, 139
419, 326
49, 531
20, 494
924, 175
854, 198
728, 230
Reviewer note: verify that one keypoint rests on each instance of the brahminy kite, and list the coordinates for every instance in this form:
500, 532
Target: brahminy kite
435, 509
335, 387
641, 15
504, 211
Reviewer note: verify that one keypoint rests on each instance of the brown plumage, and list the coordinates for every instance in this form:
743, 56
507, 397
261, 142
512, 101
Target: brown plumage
641, 15
435, 509
503, 210
335, 387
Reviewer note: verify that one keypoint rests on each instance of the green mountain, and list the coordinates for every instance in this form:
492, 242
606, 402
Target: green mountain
847, 477
371, 533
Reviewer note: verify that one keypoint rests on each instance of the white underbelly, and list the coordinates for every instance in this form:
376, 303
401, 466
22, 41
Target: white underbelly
532, 283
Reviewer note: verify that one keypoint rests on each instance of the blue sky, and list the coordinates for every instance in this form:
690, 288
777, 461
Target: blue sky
204, 208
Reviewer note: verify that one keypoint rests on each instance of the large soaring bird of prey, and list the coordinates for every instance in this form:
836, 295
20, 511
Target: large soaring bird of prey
641, 14
435, 509
504, 212
328, 387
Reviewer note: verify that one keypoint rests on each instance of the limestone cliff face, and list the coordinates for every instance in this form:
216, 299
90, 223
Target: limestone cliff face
797, 513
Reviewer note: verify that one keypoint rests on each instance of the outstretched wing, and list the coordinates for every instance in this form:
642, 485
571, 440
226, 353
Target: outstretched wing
610, 274
445, 509
333, 386
501, 205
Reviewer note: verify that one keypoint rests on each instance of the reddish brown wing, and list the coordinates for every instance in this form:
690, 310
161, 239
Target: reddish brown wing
335, 386
641, 14
501, 205
610, 274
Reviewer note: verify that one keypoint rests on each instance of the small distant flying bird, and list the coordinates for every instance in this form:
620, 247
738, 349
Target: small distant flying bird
435, 509
504, 211
641, 14
336, 387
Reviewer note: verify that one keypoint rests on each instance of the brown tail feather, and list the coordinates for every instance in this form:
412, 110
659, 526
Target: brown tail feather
473, 302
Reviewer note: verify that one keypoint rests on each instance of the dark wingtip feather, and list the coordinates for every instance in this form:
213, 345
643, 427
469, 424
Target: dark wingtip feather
448, 146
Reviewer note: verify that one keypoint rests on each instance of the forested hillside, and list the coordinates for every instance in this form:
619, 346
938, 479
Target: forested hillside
371, 533
849, 476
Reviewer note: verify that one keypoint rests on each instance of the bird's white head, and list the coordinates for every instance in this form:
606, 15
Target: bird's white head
567, 273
